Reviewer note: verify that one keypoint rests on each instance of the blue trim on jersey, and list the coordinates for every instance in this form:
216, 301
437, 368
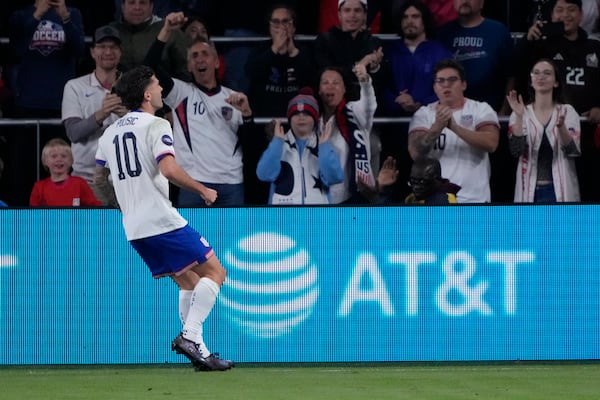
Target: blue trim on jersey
163, 155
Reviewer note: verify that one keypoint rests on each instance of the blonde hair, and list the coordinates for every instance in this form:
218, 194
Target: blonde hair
54, 143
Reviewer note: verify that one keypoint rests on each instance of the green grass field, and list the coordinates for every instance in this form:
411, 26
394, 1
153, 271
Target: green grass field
322, 381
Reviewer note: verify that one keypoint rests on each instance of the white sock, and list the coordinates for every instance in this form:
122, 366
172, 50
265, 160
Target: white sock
185, 296
203, 299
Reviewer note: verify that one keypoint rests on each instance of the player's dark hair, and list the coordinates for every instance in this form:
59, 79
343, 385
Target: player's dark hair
450, 63
131, 86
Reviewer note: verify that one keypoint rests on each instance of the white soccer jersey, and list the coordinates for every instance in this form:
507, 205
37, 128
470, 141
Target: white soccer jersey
131, 148
82, 97
461, 163
205, 133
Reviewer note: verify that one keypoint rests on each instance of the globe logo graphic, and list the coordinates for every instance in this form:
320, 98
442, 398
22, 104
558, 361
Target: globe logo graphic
271, 287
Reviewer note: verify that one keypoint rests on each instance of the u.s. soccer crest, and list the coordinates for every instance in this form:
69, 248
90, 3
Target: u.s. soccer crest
227, 112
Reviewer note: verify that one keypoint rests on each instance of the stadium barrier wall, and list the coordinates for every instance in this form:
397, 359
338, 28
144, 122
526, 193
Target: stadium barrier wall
313, 284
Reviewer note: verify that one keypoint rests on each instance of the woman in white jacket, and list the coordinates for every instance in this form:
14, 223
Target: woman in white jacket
545, 136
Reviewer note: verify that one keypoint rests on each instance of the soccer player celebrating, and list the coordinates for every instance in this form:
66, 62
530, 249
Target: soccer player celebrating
137, 152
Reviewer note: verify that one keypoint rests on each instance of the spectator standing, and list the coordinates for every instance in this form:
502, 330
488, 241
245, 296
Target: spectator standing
577, 58
196, 28
47, 40
300, 164
412, 58
545, 136
350, 43
138, 28
486, 50
572, 51
351, 122
210, 121
458, 131
60, 188
88, 105
280, 68
541, 10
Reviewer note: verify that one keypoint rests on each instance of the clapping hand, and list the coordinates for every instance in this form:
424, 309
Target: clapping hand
562, 113
388, 174
326, 134
443, 117
516, 102
278, 129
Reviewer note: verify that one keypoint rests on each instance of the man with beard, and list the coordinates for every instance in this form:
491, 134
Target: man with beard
485, 48
412, 59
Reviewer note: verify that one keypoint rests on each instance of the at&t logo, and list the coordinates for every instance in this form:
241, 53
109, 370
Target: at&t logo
272, 285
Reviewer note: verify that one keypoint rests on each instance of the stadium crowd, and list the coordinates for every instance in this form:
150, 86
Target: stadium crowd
355, 86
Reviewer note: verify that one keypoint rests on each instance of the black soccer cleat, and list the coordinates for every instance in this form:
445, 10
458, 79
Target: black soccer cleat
188, 348
214, 363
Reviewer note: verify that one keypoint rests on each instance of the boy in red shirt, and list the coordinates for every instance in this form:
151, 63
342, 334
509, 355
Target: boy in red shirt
61, 189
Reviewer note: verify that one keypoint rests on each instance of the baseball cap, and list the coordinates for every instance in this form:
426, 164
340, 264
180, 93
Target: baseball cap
107, 32
304, 102
363, 2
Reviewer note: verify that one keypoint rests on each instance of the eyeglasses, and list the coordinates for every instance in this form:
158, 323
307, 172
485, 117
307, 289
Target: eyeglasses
107, 46
546, 73
451, 80
278, 22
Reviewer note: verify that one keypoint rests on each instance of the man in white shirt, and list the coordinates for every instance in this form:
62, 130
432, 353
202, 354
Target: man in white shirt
210, 121
88, 106
458, 131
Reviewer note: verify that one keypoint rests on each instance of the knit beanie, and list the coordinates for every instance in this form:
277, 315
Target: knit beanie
304, 102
